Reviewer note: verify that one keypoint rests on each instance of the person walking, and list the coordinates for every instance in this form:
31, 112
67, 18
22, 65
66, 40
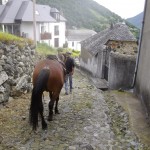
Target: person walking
69, 72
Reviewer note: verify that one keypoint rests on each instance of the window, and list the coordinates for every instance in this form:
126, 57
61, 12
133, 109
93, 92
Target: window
56, 30
55, 15
9, 29
17, 29
43, 29
56, 42
72, 44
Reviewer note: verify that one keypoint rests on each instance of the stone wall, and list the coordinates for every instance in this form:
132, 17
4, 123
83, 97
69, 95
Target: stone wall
16, 67
123, 47
121, 70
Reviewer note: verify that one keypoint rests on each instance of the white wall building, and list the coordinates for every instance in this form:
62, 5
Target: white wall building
74, 37
16, 17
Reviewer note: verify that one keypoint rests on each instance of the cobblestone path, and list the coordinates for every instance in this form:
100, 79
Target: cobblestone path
89, 119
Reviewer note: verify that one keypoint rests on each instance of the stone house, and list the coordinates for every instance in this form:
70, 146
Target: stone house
16, 17
103, 54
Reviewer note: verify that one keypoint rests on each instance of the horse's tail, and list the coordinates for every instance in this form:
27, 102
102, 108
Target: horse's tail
36, 98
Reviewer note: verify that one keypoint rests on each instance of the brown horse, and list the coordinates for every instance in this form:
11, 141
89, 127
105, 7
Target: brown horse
48, 75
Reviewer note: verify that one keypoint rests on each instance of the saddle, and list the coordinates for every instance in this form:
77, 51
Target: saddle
54, 57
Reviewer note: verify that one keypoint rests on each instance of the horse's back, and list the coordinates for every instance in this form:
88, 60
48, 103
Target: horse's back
56, 77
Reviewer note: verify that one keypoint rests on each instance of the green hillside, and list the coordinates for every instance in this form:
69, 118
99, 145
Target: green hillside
137, 20
85, 14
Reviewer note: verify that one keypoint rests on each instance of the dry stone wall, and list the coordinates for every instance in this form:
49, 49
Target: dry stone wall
16, 67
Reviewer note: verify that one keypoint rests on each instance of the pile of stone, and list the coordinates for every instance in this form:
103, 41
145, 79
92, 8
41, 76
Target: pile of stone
16, 67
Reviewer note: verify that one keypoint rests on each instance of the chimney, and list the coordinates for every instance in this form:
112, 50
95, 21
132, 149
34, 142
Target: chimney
4, 2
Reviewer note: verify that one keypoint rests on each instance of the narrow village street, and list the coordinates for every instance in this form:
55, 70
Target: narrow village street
89, 119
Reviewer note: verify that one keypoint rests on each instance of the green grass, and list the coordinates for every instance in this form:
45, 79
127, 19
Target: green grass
44, 49
10, 38
75, 53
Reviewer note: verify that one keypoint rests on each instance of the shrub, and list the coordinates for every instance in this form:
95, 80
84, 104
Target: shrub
44, 49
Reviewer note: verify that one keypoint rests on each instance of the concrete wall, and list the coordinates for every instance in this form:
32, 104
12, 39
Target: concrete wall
142, 82
121, 70
27, 28
88, 62
92, 63
100, 64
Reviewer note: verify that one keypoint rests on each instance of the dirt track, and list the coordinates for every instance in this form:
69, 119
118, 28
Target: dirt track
86, 122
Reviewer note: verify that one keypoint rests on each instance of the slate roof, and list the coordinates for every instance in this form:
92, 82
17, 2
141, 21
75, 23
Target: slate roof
1, 8
79, 34
23, 10
25, 13
10, 11
96, 43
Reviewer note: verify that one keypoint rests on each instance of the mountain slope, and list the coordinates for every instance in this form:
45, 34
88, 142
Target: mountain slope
136, 20
86, 14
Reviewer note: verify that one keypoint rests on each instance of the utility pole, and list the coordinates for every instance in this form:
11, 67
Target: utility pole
34, 22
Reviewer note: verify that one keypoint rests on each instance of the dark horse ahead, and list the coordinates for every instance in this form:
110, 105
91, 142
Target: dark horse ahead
48, 75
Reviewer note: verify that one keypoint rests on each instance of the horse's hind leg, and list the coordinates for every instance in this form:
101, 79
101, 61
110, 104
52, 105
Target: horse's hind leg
53, 97
44, 124
56, 106
51, 105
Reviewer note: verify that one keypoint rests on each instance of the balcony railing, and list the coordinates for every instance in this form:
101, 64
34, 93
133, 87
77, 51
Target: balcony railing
46, 36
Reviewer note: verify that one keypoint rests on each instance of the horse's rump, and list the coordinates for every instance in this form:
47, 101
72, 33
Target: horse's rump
56, 77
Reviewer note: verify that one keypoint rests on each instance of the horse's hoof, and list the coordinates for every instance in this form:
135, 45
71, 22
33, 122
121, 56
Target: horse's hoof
44, 127
50, 118
34, 129
57, 112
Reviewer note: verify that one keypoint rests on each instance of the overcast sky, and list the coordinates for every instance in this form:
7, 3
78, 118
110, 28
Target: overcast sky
124, 8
